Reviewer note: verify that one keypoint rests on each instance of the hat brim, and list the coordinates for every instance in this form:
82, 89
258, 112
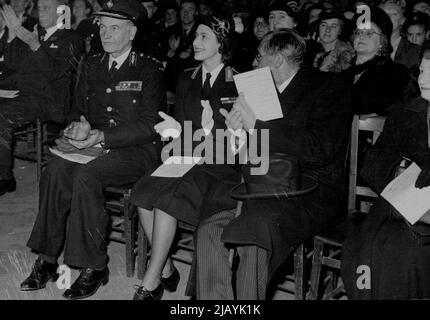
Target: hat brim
116, 15
309, 184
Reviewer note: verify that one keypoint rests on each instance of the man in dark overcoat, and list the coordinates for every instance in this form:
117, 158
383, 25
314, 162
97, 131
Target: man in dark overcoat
314, 129
117, 103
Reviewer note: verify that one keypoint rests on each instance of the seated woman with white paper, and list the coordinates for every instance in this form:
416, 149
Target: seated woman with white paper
190, 192
386, 257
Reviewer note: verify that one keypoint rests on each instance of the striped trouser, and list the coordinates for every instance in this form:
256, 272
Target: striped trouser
214, 276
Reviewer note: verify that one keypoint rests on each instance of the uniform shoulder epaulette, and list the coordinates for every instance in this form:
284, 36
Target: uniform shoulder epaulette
153, 59
194, 71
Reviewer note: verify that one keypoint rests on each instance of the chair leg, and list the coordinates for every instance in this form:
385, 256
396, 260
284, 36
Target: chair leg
39, 149
316, 270
130, 236
299, 272
142, 251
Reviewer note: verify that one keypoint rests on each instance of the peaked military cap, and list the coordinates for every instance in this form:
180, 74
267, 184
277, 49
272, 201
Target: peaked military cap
122, 9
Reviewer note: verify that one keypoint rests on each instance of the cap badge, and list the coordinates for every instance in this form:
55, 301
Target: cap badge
109, 4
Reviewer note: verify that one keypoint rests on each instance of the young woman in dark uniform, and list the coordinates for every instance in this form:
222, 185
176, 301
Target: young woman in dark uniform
205, 189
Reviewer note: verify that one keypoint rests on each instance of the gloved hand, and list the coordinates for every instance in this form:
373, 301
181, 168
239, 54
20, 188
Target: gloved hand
423, 180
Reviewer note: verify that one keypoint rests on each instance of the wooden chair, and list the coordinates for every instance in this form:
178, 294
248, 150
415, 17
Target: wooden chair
328, 246
35, 135
126, 232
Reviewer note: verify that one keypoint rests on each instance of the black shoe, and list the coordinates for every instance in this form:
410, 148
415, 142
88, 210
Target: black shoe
87, 283
41, 274
7, 185
143, 294
171, 283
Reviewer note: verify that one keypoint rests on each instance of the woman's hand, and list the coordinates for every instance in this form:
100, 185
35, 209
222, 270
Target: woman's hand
169, 128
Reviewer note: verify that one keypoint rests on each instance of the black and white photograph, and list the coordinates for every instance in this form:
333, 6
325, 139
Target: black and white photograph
222, 156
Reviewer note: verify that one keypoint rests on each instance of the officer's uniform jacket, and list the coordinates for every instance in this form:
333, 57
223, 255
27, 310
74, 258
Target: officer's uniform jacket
123, 105
45, 74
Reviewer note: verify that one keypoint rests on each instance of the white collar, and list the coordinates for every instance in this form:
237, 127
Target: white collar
119, 60
50, 31
1, 33
214, 74
285, 84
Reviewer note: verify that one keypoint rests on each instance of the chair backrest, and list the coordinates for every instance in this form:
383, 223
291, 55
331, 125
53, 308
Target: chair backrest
375, 125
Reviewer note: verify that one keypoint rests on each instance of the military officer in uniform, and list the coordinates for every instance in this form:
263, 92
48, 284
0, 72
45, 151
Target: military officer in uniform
39, 65
117, 106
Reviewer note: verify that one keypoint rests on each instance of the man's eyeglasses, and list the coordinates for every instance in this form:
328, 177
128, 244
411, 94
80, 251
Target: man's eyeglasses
365, 33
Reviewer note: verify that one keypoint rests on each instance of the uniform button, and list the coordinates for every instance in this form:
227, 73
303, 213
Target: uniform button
112, 123
109, 109
134, 101
108, 90
87, 98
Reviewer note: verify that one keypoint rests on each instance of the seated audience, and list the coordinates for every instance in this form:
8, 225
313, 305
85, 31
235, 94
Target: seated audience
22, 10
281, 16
384, 257
205, 189
314, 129
404, 52
417, 28
40, 65
116, 107
86, 26
180, 55
422, 6
337, 55
378, 81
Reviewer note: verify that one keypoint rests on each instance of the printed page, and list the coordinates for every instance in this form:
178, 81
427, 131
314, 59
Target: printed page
260, 93
176, 167
401, 193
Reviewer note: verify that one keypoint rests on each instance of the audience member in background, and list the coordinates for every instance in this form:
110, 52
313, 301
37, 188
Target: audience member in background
281, 16
422, 6
22, 10
378, 81
148, 39
41, 64
168, 26
417, 28
180, 55
85, 26
395, 253
337, 55
207, 7
404, 52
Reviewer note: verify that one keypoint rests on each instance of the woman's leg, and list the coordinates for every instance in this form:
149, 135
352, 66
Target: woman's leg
160, 229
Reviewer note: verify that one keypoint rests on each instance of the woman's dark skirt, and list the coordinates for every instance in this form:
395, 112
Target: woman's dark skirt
201, 192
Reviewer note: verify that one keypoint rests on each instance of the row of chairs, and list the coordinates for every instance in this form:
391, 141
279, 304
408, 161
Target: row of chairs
325, 252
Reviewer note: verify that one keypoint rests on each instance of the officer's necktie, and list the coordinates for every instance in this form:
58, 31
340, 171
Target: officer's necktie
113, 68
206, 87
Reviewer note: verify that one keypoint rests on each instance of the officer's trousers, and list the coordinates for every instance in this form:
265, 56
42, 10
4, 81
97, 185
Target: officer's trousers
71, 207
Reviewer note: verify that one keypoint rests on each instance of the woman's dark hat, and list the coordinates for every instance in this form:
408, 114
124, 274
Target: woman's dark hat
222, 26
380, 18
330, 14
122, 9
283, 180
282, 5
